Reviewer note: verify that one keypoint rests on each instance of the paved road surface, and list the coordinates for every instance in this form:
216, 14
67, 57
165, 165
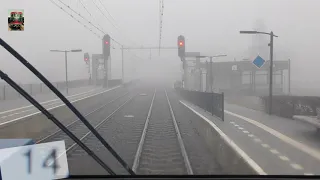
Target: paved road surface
6, 105
49, 102
277, 145
294, 145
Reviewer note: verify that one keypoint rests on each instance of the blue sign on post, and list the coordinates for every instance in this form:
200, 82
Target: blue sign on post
258, 61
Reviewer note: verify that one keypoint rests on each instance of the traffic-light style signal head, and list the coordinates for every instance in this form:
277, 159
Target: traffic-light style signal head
181, 46
180, 43
106, 46
86, 57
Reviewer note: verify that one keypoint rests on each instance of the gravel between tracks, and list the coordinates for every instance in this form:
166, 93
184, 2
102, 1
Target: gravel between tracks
161, 153
122, 132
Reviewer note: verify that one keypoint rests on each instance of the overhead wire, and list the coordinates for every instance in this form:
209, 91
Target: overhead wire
113, 21
75, 19
80, 16
87, 27
114, 24
83, 19
107, 11
161, 9
89, 13
107, 19
84, 7
103, 13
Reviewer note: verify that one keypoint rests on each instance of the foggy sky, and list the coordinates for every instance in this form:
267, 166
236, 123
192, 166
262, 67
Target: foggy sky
210, 27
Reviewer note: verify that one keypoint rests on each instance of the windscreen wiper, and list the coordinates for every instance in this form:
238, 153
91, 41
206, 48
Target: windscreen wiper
21, 91
67, 102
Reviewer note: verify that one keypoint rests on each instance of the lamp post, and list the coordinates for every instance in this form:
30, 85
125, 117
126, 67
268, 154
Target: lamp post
66, 64
271, 34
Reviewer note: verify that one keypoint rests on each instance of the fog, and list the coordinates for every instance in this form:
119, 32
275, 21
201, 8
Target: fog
210, 27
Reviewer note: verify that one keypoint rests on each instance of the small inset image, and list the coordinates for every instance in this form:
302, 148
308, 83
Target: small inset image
16, 20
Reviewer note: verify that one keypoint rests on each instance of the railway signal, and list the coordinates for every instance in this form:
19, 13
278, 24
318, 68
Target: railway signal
106, 46
86, 57
181, 47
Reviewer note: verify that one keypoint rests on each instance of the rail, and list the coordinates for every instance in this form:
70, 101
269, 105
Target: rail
211, 102
6, 78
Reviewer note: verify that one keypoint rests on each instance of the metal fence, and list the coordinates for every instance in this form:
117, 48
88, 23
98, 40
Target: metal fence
211, 102
8, 93
114, 82
288, 106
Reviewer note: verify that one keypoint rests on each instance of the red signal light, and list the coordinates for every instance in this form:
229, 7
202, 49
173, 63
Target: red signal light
107, 42
86, 59
180, 43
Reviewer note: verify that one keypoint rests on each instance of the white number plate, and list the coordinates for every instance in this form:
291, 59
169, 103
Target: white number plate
35, 162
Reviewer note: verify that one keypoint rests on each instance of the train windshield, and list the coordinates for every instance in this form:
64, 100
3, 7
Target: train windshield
183, 87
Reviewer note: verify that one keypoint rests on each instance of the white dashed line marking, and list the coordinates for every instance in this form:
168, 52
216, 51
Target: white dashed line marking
305, 148
16, 113
274, 151
231, 143
265, 145
296, 166
285, 158
257, 140
308, 174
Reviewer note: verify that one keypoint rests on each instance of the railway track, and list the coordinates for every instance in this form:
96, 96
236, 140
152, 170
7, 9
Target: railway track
77, 127
122, 132
150, 144
72, 147
161, 149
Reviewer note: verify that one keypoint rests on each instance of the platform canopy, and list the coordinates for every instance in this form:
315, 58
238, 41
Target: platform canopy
242, 66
